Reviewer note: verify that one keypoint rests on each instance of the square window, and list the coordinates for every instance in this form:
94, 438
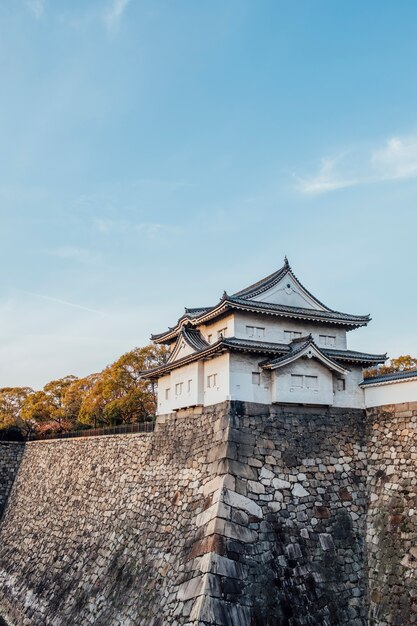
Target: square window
296, 380
250, 331
260, 332
327, 340
221, 333
212, 380
178, 389
312, 382
341, 384
289, 335
256, 378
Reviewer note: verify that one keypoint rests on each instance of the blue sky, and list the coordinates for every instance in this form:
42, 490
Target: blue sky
154, 153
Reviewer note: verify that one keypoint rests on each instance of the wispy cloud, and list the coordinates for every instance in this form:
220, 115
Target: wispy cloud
64, 302
395, 159
71, 253
114, 13
149, 229
37, 7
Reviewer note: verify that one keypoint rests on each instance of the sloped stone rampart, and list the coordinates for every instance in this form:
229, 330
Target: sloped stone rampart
99, 530
10, 457
295, 519
233, 515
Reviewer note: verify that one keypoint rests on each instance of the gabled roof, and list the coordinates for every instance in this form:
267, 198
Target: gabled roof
267, 283
392, 377
243, 301
192, 337
304, 347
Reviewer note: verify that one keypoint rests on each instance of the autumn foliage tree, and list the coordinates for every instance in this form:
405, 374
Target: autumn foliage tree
399, 364
116, 395
120, 395
12, 400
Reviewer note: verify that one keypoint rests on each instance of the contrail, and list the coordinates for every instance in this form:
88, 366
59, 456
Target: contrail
65, 302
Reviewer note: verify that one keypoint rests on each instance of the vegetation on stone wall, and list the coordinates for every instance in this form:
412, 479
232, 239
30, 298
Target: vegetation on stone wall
400, 364
116, 395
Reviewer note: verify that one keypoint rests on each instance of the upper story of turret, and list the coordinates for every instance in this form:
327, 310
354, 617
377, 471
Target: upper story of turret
270, 342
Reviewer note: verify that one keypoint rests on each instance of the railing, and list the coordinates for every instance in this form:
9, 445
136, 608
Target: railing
122, 429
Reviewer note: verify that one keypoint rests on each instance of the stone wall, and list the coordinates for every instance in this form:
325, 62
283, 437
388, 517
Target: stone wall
99, 530
297, 523
10, 457
392, 517
233, 515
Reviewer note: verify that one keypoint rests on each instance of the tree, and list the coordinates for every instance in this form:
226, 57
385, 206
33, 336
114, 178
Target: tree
48, 407
399, 364
120, 395
12, 400
405, 362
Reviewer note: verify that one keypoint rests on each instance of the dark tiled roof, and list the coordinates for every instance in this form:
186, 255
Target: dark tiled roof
196, 312
353, 356
241, 300
297, 347
293, 311
255, 346
224, 344
391, 377
263, 348
194, 338
264, 284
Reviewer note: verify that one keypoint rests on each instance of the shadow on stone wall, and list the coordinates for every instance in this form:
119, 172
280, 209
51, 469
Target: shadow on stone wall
11, 454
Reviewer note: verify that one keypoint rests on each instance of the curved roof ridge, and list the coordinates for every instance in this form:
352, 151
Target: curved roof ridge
263, 284
194, 338
271, 280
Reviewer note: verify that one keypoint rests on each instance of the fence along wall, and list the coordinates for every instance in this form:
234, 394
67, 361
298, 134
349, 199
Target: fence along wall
242, 515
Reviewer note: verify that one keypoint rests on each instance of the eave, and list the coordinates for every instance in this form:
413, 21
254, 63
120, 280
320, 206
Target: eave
389, 379
231, 303
263, 349
223, 345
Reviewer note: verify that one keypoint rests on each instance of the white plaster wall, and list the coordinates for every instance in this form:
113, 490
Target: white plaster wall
353, 396
164, 406
241, 385
193, 372
395, 392
274, 329
181, 350
283, 391
221, 392
212, 329
287, 292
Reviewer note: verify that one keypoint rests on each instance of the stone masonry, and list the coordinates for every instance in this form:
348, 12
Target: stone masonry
392, 515
233, 515
10, 458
